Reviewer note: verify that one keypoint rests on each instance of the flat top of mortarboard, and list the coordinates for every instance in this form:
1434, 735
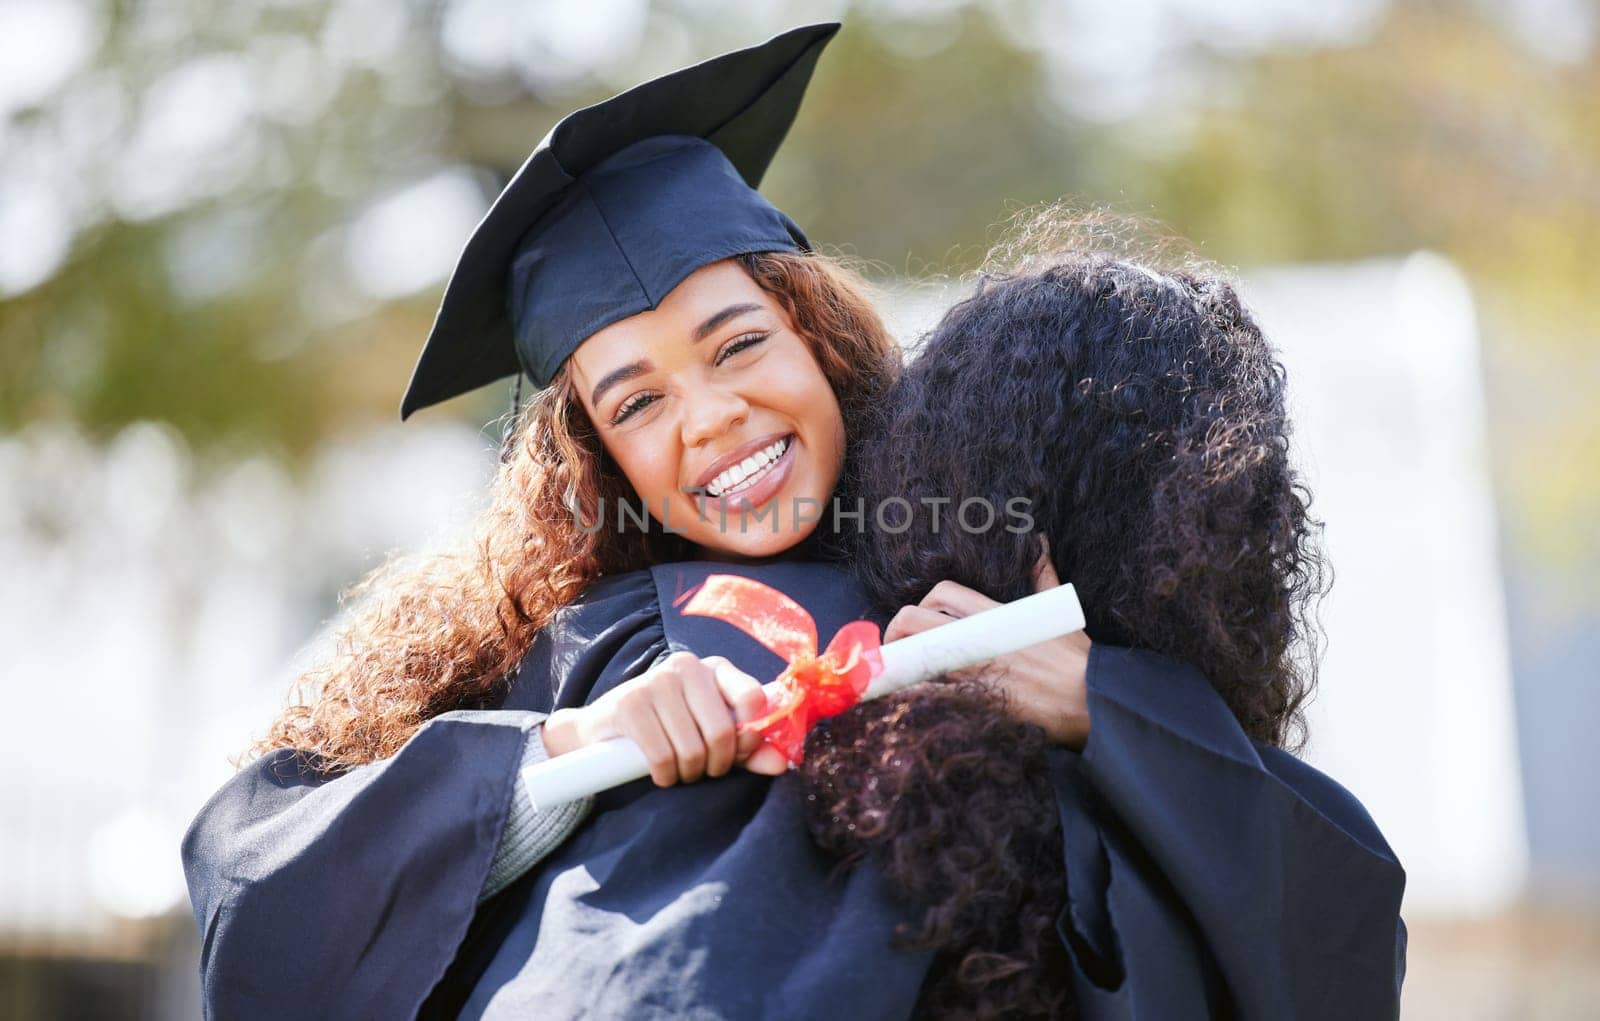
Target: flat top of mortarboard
741, 102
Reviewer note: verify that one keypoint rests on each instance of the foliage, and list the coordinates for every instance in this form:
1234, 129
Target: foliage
225, 306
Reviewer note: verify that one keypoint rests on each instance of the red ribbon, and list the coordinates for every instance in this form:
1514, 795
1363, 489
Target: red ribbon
813, 686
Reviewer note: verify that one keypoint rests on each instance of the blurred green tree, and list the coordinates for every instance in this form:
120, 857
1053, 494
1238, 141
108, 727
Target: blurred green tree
208, 284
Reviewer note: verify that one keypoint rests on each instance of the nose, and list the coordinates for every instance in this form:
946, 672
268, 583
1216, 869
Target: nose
710, 412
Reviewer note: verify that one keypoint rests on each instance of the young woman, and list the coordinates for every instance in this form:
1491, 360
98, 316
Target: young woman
1208, 872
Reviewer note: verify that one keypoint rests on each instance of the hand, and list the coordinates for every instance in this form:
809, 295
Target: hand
1044, 684
681, 713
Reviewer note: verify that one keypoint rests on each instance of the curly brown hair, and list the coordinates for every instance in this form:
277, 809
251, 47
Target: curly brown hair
428, 633
1144, 420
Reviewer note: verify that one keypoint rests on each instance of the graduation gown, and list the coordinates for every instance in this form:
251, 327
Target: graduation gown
1207, 875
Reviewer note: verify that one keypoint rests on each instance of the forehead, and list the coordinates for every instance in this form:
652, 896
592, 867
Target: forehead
702, 294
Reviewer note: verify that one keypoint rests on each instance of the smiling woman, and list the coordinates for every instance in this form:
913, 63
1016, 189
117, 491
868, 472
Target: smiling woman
693, 354
695, 357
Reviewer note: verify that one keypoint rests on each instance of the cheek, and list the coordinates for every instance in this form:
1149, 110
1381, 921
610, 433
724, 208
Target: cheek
830, 424
817, 407
647, 462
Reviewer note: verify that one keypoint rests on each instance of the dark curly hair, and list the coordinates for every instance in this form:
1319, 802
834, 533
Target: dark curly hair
954, 796
1142, 415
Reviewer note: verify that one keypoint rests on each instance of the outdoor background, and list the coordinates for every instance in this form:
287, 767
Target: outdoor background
224, 227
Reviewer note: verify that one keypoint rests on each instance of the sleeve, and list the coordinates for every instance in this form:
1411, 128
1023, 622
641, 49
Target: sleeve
1288, 885
530, 835
356, 895
348, 896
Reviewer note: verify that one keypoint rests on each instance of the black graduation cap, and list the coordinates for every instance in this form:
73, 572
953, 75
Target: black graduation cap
617, 205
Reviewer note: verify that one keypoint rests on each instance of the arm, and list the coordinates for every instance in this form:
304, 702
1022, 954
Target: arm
1280, 871
1184, 838
530, 835
347, 896
297, 878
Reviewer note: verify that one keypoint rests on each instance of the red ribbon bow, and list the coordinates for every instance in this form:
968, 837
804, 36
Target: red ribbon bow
812, 687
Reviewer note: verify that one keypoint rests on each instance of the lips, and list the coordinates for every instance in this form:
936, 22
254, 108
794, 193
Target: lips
736, 456
753, 491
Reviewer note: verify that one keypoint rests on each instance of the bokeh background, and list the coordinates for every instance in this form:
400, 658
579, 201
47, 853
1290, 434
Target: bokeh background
224, 227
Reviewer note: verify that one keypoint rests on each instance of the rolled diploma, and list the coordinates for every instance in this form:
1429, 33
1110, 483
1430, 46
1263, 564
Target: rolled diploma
1009, 627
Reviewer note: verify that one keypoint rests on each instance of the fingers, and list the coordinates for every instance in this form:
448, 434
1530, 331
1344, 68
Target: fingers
913, 620
654, 711
713, 718
956, 600
767, 761
684, 715
746, 697
951, 600
637, 720
743, 693
749, 701
1044, 571
672, 709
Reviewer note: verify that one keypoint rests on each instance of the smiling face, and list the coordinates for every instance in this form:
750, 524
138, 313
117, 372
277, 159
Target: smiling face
716, 410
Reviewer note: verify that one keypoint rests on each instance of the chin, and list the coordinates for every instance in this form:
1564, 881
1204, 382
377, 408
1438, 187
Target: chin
757, 545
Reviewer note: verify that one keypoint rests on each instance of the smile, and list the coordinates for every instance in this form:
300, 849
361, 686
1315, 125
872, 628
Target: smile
748, 473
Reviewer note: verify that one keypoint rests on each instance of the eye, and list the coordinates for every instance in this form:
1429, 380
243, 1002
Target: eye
638, 402
740, 343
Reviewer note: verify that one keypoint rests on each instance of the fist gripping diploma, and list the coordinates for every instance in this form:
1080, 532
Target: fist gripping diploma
683, 714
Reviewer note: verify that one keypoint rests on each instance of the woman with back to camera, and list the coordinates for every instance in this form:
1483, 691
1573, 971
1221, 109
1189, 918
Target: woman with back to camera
1149, 434
377, 860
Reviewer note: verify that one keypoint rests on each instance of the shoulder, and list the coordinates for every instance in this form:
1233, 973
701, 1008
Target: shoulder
1147, 705
1164, 693
1328, 797
629, 592
610, 632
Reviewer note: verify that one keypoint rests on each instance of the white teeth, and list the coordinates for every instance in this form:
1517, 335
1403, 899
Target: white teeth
746, 471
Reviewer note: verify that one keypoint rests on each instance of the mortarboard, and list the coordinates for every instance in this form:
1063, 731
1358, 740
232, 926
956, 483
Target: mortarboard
615, 207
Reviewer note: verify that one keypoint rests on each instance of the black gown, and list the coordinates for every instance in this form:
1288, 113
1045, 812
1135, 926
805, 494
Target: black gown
1208, 876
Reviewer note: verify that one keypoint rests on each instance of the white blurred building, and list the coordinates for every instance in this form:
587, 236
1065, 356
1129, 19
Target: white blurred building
1414, 712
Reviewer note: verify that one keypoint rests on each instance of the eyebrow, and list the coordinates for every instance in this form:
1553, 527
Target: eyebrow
640, 367
621, 375
706, 328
